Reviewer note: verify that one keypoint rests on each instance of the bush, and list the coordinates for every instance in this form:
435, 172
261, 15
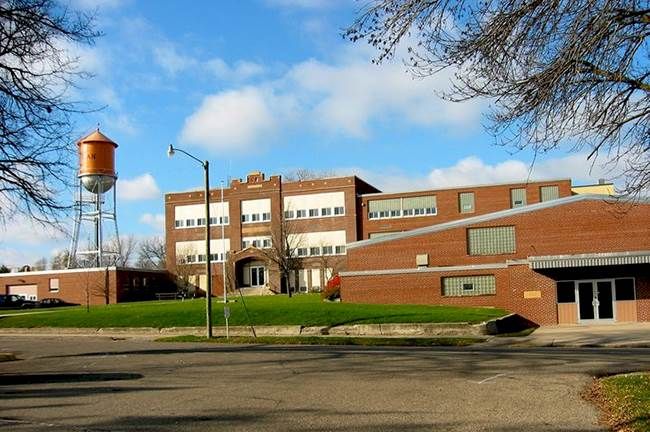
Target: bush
333, 289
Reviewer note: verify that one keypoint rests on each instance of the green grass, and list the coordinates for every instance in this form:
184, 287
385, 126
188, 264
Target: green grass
306, 310
329, 340
626, 401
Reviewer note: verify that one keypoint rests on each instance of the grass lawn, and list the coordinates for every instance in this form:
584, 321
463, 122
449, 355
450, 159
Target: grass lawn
306, 309
625, 401
330, 340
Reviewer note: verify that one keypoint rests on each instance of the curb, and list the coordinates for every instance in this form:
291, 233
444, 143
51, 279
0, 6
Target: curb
370, 330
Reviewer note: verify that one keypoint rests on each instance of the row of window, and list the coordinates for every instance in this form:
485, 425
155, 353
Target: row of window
255, 217
320, 251
258, 243
200, 258
314, 212
402, 207
191, 223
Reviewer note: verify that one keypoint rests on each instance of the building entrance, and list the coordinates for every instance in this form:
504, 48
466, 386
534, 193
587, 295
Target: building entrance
595, 300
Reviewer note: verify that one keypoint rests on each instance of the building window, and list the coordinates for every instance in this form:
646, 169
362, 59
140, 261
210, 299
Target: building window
200, 222
466, 202
189, 222
548, 193
225, 220
566, 292
201, 257
327, 250
266, 216
179, 224
54, 285
380, 209
244, 244
267, 243
255, 217
314, 251
214, 220
190, 259
288, 214
339, 211
245, 218
419, 206
517, 197
624, 289
491, 240
326, 211
301, 213
313, 212
468, 286
256, 243
340, 250
302, 252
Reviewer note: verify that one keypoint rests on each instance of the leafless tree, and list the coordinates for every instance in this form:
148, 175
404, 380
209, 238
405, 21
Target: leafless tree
40, 264
285, 241
301, 174
151, 253
126, 245
556, 73
185, 269
59, 260
36, 73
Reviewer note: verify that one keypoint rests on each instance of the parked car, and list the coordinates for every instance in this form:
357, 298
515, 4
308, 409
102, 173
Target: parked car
13, 301
53, 302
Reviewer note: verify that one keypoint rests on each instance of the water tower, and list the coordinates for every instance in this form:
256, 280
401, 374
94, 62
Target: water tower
95, 216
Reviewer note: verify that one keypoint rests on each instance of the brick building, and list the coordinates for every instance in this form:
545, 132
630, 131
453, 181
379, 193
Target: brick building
93, 285
318, 218
581, 258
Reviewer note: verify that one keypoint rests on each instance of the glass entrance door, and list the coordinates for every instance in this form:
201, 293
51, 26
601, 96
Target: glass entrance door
257, 276
585, 300
596, 300
605, 300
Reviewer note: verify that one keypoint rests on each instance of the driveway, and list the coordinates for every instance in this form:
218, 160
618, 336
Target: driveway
100, 384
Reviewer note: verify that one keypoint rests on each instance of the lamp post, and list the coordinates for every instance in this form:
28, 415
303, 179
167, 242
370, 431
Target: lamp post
171, 150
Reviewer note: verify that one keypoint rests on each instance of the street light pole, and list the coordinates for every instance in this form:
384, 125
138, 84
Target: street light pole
208, 289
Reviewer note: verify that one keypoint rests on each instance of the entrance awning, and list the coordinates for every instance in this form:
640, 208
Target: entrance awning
589, 260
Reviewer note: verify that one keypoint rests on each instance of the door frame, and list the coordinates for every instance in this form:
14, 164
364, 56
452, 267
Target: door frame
596, 319
257, 269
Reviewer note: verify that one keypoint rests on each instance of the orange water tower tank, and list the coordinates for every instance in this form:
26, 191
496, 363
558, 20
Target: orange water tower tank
97, 162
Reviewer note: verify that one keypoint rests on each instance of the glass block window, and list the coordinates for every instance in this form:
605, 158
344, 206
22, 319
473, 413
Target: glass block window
466, 202
468, 286
491, 240
384, 208
419, 206
517, 197
548, 193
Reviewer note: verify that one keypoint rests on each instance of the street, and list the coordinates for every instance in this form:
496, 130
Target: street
101, 384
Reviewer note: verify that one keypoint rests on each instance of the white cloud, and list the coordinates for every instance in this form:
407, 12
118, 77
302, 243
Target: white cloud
344, 97
231, 120
167, 56
474, 171
143, 187
97, 4
156, 221
242, 70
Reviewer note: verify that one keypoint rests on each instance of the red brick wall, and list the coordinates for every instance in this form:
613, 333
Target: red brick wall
74, 285
582, 227
487, 199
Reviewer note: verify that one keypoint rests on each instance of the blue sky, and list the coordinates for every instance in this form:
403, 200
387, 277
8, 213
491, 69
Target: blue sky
267, 85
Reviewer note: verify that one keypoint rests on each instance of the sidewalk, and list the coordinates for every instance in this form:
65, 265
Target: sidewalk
623, 335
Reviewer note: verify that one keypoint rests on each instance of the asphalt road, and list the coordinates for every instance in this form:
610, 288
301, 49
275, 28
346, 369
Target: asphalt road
99, 384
